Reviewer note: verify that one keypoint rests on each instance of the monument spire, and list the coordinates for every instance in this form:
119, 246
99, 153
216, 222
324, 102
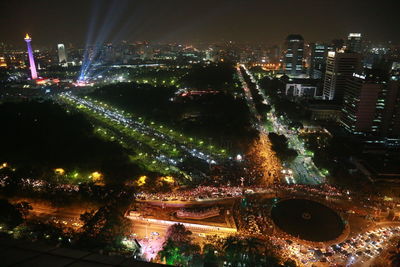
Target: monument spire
32, 65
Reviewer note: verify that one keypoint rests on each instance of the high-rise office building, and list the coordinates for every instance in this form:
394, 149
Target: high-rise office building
371, 105
32, 65
318, 56
363, 105
354, 43
391, 118
294, 55
62, 53
339, 68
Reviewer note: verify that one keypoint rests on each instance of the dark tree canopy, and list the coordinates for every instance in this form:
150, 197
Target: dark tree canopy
178, 248
213, 77
42, 136
10, 216
178, 233
221, 117
280, 146
106, 226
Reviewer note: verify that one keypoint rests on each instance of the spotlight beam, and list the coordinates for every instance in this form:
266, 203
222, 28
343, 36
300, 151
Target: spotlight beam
94, 14
136, 19
115, 13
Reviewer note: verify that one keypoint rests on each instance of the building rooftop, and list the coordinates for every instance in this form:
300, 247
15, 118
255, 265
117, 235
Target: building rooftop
313, 82
294, 37
24, 253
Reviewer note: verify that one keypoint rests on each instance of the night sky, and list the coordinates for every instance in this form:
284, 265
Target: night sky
267, 21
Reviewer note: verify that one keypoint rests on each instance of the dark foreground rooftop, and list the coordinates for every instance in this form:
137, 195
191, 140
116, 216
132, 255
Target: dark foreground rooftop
24, 253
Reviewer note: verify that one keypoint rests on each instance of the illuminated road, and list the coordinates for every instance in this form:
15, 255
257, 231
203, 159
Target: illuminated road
69, 216
142, 227
303, 166
151, 233
304, 169
145, 226
159, 145
127, 122
66, 216
269, 163
250, 101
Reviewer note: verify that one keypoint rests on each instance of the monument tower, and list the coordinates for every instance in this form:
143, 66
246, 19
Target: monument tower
31, 59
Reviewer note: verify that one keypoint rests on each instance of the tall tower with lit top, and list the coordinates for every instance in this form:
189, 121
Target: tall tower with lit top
31, 59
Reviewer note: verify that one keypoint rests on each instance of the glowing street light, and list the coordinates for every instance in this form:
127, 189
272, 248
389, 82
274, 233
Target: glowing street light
142, 180
59, 171
4, 165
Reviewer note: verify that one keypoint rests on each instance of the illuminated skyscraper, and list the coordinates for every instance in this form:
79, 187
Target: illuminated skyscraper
62, 54
294, 54
319, 54
339, 68
371, 106
354, 43
391, 120
31, 59
363, 105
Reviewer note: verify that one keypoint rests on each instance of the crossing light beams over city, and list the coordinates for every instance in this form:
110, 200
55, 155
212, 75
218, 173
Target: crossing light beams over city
111, 21
104, 26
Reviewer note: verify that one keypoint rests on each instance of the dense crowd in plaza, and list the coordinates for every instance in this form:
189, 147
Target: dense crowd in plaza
324, 189
202, 193
198, 193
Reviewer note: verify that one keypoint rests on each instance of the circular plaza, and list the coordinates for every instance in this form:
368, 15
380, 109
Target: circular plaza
308, 220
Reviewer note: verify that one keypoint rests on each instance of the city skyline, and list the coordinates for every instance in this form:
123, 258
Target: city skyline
205, 21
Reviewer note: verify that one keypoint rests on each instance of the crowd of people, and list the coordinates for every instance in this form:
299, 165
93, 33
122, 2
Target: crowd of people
59, 191
39, 185
198, 193
252, 218
202, 193
317, 190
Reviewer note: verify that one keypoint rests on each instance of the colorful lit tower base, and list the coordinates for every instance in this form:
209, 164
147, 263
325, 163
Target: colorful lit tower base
31, 58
